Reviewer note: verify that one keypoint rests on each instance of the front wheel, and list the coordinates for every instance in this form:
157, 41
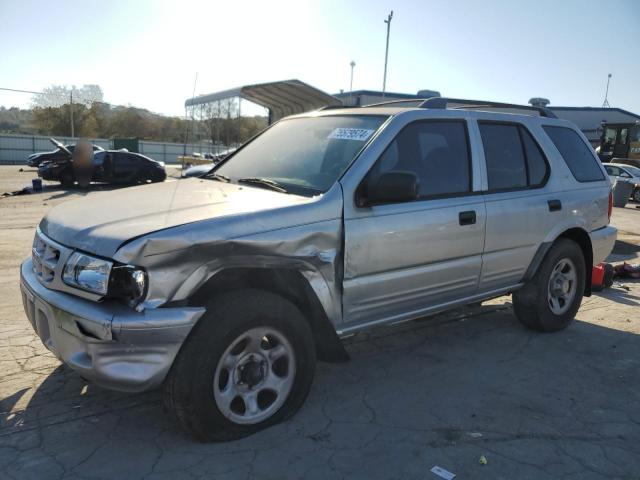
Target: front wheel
551, 299
636, 195
248, 364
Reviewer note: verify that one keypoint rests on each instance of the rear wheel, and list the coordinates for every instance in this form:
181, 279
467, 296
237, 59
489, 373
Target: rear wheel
67, 179
551, 299
636, 195
248, 364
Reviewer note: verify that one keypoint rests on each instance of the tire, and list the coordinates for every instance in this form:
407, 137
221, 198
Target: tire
209, 404
66, 179
539, 306
159, 177
636, 195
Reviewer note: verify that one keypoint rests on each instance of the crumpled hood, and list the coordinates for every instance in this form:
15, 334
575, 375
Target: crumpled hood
102, 222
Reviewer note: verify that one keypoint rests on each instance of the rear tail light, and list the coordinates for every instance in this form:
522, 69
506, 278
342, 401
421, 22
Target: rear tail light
610, 209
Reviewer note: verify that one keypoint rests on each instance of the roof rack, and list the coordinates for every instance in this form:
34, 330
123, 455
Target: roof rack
392, 103
336, 107
457, 103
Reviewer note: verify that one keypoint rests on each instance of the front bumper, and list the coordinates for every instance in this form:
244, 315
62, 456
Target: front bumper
107, 343
602, 241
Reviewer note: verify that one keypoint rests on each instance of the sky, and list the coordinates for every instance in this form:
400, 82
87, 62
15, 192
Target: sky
146, 53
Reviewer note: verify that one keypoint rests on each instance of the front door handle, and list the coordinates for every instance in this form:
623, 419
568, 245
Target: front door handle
467, 218
554, 205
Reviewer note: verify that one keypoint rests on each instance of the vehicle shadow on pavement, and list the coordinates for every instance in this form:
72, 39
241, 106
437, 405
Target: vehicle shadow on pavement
618, 293
79, 191
442, 391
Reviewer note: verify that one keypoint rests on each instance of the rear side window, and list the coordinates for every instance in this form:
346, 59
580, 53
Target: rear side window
513, 158
536, 163
578, 156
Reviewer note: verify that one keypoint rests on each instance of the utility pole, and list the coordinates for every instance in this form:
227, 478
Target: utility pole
71, 110
386, 53
353, 64
605, 104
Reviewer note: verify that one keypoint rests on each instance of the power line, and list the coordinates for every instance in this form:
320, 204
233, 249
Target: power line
24, 91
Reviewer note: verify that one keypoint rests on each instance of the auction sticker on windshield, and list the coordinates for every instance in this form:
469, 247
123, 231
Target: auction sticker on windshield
358, 134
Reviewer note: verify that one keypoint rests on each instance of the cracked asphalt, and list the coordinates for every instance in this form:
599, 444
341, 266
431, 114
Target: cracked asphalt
441, 391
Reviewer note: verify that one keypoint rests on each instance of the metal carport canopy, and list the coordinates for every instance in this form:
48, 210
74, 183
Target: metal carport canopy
282, 98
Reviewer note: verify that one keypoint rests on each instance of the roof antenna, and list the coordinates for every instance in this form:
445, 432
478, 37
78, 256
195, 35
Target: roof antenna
605, 104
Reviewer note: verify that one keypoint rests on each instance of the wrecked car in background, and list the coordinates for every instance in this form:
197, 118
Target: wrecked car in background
60, 153
225, 289
105, 166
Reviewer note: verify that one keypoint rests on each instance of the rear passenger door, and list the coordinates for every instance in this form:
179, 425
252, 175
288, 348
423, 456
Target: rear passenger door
125, 167
520, 209
403, 257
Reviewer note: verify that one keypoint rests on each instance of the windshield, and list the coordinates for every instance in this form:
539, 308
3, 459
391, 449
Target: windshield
303, 155
632, 170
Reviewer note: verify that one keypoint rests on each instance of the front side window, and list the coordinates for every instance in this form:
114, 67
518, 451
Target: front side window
611, 170
436, 152
633, 170
624, 133
578, 155
610, 135
304, 156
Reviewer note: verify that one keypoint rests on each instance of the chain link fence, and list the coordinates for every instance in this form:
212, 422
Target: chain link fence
14, 149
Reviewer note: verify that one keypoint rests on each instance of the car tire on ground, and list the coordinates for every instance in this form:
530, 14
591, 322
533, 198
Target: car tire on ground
636, 195
67, 179
159, 177
247, 364
550, 300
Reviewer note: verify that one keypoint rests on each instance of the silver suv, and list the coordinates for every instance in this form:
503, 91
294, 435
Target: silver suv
226, 288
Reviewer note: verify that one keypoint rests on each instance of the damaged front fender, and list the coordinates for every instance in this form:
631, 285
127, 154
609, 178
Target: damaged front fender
306, 238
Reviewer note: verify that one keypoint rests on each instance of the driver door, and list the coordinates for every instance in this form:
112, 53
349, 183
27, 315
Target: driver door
401, 259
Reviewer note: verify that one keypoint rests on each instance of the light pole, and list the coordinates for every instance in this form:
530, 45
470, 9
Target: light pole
386, 53
71, 110
353, 64
605, 104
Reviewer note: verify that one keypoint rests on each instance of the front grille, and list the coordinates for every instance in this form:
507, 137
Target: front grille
45, 258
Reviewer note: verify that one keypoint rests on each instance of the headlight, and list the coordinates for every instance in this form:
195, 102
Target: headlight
87, 273
128, 283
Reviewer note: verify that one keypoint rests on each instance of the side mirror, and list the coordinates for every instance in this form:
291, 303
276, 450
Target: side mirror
390, 187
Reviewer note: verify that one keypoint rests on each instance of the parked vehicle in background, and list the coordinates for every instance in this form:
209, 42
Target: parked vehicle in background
107, 166
208, 159
61, 152
199, 170
226, 288
619, 141
625, 173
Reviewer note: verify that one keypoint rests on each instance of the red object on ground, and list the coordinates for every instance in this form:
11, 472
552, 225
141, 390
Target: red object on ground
597, 277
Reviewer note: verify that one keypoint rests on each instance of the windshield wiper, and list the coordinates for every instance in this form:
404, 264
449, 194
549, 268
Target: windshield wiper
264, 182
217, 176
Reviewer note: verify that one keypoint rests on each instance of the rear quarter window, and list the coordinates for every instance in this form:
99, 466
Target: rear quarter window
578, 156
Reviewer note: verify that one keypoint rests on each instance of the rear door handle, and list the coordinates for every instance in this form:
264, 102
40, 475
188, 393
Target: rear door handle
467, 218
554, 205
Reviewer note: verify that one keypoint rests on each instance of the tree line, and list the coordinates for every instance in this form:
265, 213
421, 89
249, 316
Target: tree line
50, 114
